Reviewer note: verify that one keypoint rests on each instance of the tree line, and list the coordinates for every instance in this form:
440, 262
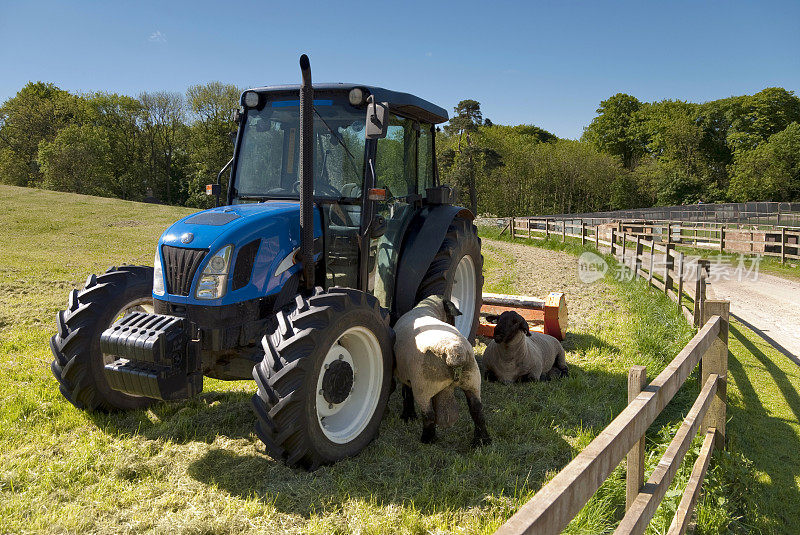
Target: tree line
161, 146
166, 146
633, 154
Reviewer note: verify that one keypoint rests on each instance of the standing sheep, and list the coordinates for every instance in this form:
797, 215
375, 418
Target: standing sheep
517, 353
432, 359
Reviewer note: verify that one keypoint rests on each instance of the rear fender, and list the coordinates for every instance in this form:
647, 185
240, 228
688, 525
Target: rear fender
424, 236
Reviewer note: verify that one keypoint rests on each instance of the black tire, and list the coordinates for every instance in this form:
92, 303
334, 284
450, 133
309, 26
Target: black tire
461, 240
287, 378
78, 363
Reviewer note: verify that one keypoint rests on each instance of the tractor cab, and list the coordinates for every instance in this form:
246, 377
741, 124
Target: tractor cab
366, 186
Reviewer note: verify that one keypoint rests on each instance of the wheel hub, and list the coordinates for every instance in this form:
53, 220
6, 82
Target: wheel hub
337, 382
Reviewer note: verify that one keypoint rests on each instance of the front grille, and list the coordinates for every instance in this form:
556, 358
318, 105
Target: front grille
180, 266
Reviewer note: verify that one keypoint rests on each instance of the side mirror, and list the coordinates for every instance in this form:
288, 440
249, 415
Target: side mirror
377, 119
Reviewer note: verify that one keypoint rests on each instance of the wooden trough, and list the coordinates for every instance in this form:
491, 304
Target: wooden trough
547, 316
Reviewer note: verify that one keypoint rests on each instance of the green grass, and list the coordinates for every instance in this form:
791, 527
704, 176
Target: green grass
197, 467
754, 485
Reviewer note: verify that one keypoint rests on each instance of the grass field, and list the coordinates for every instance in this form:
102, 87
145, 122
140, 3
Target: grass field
197, 467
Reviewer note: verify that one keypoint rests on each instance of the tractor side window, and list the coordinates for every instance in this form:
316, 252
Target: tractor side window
425, 159
396, 164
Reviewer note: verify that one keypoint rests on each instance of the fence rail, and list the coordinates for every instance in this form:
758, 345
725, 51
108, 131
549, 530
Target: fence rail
778, 213
779, 242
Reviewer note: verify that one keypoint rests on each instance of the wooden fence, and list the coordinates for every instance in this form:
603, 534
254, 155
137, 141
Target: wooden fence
780, 242
553, 507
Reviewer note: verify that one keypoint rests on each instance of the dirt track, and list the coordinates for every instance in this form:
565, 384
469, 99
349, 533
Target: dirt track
767, 304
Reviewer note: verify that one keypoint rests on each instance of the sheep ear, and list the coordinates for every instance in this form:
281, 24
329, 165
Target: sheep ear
492, 318
524, 327
451, 309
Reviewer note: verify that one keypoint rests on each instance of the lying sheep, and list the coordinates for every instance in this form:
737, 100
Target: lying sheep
432, 359
517, 353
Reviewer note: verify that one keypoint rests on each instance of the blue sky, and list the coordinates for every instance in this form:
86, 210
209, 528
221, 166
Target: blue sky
545, 63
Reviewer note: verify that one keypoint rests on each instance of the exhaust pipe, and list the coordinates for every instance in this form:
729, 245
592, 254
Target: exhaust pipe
307, 173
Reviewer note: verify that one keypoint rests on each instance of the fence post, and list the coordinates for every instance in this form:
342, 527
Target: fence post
783, 244
699, 292
669, 266
624, 246
652, 261
669, 232
721, 239
529, 228
680, 282
563, 231
546, 229
513, 229
638, 266
715, 360
634, 477
597, 237
583, 232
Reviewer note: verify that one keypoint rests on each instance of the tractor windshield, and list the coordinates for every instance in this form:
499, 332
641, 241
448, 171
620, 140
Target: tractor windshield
269, 151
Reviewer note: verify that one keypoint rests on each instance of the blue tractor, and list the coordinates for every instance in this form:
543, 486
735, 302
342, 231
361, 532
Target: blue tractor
335, 225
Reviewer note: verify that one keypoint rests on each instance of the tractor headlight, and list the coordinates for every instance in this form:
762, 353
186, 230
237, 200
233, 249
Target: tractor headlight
213, 282
158, 275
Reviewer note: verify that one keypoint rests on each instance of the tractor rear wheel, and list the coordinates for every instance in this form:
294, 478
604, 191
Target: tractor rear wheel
457, 274
325, 377
78, 361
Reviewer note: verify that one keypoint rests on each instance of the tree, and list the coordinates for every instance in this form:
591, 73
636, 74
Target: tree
35, 114
210, 145
614, 129
76, 160
466, 120
165, 134
771, 171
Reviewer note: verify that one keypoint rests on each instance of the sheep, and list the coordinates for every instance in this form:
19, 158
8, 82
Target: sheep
517, 353
432, 358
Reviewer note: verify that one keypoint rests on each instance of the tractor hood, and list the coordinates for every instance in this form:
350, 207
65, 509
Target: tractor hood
274, 225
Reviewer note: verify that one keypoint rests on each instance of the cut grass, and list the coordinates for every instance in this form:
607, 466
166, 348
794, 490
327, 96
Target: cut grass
196, 466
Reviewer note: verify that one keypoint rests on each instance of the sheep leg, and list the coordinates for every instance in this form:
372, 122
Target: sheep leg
409, 412
482, 437
428, 422
561, 362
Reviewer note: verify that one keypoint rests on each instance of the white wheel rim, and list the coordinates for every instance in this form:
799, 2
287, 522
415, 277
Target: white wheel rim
463, 293
343, 422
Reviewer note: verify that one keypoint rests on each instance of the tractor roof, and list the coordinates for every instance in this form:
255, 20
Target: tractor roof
402, 103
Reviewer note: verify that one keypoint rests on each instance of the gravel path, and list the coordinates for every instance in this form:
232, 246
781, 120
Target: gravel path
537, 272
767, 304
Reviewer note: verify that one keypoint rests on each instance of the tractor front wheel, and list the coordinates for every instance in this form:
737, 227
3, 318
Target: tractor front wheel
324, 380
78, 361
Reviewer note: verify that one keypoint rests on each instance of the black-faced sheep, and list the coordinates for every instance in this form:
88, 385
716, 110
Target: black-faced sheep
516, 353
432, 359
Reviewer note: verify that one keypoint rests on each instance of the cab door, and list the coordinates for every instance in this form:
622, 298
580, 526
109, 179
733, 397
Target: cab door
396, 172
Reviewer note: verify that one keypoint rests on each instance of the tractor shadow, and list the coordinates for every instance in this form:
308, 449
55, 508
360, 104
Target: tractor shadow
200, 419
536, 429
